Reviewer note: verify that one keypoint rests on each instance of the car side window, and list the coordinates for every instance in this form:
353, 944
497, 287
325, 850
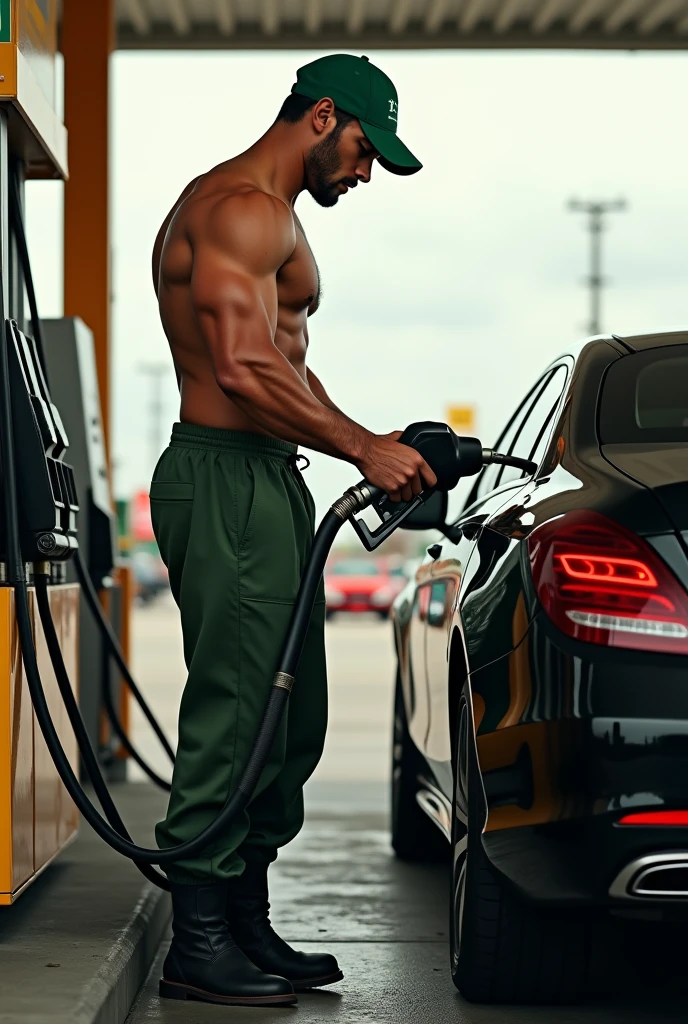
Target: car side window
533, 432
490, 477
540, 446
487, 481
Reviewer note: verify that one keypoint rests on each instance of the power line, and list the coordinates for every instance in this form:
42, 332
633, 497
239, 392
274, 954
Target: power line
596, 211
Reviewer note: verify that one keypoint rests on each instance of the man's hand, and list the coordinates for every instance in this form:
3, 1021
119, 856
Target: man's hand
396, 468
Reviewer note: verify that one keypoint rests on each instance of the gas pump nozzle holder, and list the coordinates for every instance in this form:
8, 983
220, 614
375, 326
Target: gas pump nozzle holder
45, 483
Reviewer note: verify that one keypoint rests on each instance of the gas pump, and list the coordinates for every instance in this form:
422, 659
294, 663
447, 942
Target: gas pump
37, 817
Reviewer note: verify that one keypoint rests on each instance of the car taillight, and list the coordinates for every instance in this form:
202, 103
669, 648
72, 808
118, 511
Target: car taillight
602, 584
663, 818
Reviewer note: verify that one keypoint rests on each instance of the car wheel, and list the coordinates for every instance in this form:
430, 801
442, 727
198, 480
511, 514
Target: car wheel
504, 950
414, 836
384, 615
329, 614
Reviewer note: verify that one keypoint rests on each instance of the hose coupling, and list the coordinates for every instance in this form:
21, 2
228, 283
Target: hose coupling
283, 681
355, 499
42, 569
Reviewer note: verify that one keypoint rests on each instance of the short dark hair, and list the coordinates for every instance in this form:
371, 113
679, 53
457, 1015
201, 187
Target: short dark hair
295, 107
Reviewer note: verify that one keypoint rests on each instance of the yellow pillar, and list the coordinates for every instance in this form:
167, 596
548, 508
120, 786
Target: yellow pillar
88, 36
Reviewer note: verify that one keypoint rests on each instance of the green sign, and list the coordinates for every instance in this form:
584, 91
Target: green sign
5, 21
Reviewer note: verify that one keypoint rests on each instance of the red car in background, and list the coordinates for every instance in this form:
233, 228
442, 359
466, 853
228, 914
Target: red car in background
362, 585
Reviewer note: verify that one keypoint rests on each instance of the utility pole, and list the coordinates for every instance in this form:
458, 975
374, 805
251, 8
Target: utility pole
596, 211
157, 372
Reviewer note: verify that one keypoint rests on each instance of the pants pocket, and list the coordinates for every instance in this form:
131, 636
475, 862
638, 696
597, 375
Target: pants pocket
244, 501
171, 504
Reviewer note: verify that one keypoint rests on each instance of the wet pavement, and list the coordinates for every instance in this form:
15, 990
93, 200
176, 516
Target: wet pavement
338, 887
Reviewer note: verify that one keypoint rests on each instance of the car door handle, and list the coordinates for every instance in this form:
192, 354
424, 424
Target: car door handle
435, 550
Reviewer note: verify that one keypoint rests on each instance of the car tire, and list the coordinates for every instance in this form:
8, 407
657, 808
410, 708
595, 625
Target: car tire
415, 837
384, 615
329, 614
504, 950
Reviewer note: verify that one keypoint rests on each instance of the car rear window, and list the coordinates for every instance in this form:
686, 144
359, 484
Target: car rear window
645, 397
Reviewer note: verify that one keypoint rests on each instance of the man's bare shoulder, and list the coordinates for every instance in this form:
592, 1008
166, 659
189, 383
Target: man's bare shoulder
242, 221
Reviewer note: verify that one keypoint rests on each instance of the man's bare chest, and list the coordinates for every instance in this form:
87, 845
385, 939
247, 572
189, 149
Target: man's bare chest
298, 280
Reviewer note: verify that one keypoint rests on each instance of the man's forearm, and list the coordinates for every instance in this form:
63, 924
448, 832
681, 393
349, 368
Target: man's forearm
273, 394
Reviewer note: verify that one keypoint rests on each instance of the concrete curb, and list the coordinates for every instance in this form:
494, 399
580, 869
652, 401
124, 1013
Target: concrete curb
108, 997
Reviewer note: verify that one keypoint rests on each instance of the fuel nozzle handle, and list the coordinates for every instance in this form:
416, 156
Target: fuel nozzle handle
450, 457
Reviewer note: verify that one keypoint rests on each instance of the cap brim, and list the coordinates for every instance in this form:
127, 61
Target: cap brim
394, 155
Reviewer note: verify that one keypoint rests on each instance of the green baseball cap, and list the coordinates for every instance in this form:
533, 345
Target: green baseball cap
359, 88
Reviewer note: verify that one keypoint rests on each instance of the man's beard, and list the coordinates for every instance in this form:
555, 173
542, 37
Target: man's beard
322, 164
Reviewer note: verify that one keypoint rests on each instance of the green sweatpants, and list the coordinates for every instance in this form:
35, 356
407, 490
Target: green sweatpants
234, 522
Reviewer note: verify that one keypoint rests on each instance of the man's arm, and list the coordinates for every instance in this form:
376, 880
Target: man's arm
244, 242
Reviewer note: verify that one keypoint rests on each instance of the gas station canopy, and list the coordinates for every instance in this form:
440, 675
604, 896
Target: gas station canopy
402, 24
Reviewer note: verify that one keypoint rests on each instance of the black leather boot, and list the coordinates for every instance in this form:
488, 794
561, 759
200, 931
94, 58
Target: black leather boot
204, 961
248, 908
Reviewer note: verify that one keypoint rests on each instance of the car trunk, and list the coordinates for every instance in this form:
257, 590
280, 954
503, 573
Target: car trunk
661, 467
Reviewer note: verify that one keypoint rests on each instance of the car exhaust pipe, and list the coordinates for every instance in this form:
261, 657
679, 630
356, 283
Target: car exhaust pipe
662, 880
659, 876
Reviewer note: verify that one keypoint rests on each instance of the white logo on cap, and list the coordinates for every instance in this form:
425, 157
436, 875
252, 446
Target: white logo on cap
393, 108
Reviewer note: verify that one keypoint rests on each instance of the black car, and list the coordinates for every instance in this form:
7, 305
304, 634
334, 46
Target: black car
541, 715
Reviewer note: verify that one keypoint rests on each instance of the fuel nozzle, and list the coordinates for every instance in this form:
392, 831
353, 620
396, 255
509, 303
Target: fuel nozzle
451, 458
492, 457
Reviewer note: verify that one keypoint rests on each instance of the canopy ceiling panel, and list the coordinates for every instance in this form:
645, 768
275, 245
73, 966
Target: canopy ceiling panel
402, 24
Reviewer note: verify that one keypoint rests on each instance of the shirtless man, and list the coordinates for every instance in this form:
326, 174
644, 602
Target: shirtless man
236, 282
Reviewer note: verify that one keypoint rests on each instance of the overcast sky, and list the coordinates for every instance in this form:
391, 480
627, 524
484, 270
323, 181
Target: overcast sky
456, 285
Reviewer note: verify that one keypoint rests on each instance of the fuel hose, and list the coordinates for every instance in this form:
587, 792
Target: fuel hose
41, 581
115, 652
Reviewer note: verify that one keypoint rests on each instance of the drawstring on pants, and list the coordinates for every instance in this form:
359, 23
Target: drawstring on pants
293, 461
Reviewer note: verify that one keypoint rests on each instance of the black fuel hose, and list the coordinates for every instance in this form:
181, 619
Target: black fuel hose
19, 232
118, 728
116, 653
87, 752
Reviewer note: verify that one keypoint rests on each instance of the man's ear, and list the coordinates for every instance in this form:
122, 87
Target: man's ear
322, 114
